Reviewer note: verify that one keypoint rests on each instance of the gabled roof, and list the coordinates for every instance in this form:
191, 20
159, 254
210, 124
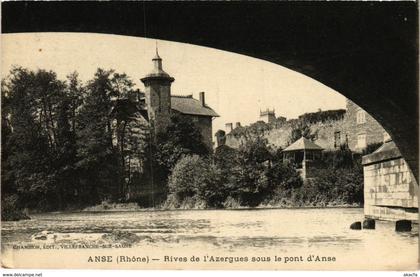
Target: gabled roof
188, 105
303, 144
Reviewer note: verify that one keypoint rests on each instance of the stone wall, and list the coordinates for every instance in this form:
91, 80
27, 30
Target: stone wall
352, 129
158, 101
329, 134
325, 133
390, 190
279, 137
204, 123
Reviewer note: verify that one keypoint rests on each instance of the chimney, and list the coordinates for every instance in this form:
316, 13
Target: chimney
228, 127
202, 99
237, 124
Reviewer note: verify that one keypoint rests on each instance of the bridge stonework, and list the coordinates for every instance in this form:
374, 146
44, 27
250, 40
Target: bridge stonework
390, 189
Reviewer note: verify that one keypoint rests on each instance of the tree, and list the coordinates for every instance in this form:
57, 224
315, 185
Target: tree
130, 131
195, 177
181, 138
76, 94
284, 176
212, 190
7, 182
32, 142
98, 162
250, 182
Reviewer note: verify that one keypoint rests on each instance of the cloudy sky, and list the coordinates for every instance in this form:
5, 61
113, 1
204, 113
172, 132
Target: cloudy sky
236, 86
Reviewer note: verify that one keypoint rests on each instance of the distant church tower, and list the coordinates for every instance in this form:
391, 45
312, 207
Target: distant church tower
158, 95
268, 116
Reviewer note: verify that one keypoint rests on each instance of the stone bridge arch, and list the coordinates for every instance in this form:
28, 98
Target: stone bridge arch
367, 51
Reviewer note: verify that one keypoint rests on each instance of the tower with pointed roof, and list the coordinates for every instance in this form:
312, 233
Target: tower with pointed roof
158, 95
160, 104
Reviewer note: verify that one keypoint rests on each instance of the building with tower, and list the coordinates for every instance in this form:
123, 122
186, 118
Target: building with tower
150, 112
157, 104
158, 95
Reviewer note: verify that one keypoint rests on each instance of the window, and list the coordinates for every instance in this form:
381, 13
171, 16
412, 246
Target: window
337, 139
361, 117
361, 141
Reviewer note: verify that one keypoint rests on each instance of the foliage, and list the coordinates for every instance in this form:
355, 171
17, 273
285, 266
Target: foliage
68, 144
338, 181
244, 177
257, 129
255, 171
181, 138
98, 161
35, 142
284, 176
322, 116
10, 210
301, 129
250, 182
57, 138
343, 158
194, 176
345, 185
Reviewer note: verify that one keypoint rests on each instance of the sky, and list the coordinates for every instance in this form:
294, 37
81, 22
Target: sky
237, 87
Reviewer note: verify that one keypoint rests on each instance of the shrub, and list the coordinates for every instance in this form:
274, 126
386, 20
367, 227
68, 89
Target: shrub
185, 176
284, 176
195, 177
342, 158
10, 210
345, 185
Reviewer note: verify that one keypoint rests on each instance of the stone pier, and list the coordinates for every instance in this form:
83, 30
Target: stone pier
390, 189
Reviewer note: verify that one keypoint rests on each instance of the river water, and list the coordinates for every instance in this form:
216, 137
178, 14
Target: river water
287, 237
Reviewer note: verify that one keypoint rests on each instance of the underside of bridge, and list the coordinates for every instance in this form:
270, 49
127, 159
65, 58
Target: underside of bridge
366, 51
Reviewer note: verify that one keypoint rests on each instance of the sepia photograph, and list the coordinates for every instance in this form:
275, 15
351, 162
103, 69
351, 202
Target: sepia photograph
209, 135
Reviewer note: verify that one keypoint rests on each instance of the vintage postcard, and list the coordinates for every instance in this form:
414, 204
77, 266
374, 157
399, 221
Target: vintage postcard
209, 135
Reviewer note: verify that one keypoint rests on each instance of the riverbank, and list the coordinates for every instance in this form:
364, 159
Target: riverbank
185, 206
133, 207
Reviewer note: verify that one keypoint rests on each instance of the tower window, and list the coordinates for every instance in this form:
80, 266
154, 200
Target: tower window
361, 117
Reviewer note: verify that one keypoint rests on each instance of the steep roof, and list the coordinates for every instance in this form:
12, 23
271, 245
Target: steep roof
124, 108
188, 105
303, 144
